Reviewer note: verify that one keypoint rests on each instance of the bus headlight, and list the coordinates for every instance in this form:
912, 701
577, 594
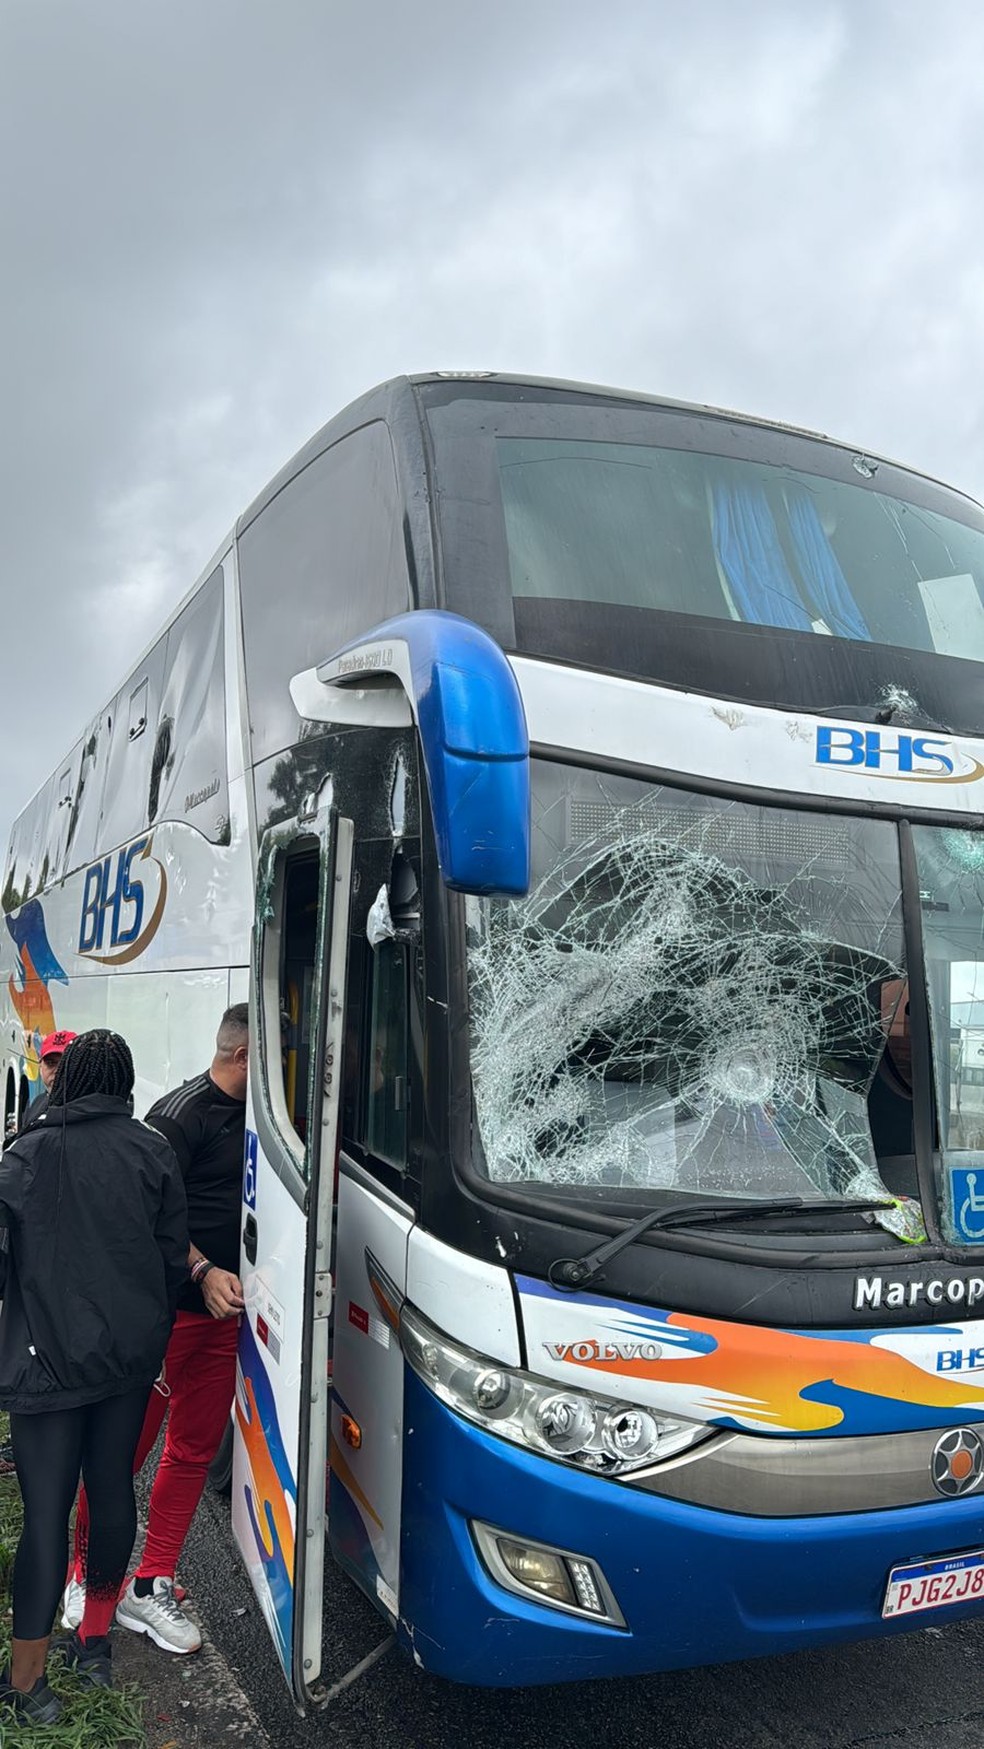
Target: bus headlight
631, 1433
577, 1427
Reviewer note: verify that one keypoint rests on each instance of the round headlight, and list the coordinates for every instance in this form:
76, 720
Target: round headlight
630, 1434
490, 1390
564, 1423
430, 1358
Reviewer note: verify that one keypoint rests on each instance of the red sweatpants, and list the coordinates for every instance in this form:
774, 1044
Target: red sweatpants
199, 1385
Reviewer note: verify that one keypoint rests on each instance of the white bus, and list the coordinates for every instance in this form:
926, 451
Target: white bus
585, 791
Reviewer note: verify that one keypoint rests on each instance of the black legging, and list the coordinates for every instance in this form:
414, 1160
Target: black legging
51, 1450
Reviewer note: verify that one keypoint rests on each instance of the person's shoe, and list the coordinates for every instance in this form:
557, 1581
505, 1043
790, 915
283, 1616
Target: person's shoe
73, 1604
40, 1705
160, 1616
92, 1660
7, 1465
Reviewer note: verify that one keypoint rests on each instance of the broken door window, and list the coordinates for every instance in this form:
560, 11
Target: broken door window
694, 996
951, 893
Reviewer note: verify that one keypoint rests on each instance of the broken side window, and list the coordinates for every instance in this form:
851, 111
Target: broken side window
951, 892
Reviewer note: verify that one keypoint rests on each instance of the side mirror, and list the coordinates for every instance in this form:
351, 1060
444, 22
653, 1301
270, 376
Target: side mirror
450, 678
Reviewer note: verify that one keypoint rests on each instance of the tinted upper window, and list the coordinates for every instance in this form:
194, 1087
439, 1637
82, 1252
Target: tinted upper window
644, 527
25, 871
188, 769
738, 560
131, 752
84, 840
323, 561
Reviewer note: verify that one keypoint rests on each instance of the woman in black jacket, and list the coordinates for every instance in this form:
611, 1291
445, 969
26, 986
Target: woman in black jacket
93, 1250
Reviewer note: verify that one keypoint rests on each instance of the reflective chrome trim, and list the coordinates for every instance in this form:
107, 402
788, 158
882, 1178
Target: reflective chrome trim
800, 1478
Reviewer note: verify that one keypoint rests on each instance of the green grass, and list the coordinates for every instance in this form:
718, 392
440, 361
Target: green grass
93, 1718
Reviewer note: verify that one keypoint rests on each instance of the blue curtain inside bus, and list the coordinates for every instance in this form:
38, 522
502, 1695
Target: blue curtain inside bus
763, 588
821, 572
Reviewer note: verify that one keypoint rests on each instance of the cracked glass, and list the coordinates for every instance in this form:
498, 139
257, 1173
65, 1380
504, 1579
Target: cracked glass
951, 896
697, 995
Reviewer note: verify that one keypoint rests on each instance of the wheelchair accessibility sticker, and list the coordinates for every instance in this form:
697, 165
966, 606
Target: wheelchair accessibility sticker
967, 1201
249, 1171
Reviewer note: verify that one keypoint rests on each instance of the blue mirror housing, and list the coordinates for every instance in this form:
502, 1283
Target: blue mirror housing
464, 697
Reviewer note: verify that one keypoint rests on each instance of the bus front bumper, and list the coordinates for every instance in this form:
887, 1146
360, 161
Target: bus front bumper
694, 1586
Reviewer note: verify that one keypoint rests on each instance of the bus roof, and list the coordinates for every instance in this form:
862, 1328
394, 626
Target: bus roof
396, 399
386, 398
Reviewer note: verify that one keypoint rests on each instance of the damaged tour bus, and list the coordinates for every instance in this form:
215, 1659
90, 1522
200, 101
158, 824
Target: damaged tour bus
586, 789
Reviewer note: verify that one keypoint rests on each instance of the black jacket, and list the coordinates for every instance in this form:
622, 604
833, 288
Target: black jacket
35, 1111
93, 1250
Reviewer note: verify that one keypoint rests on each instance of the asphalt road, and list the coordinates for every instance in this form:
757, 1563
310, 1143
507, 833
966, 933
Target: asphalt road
918, 1691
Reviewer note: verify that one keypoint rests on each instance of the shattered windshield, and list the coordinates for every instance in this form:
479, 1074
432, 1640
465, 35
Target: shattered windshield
697, 995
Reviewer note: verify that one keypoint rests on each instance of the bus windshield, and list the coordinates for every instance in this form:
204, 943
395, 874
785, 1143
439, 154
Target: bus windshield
697, 995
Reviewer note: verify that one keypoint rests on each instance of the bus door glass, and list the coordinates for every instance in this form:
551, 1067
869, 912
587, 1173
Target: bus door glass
281, 1412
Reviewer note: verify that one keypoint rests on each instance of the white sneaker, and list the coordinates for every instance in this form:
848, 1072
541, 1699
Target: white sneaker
160, 1616
73, 1604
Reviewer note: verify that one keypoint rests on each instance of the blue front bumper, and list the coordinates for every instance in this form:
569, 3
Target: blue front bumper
694, 1586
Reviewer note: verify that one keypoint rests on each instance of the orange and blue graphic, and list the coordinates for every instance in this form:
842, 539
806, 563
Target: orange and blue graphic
766, 1380
270, 1485
29, 986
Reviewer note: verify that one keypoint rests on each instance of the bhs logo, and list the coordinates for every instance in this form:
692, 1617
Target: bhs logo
895, 754
114, 902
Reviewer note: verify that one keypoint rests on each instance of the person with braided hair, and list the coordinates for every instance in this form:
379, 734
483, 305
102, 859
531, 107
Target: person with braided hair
93, 1253
205, 1122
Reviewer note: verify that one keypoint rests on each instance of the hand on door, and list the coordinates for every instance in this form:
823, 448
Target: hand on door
223, 1293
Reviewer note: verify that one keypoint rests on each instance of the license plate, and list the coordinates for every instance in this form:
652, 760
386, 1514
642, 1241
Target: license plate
923, 1585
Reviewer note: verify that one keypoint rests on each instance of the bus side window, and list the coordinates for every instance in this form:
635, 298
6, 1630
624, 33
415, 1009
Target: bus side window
324, 559
380, 1056
138, 711
387, 1055
188, 772
299, 940
130, 753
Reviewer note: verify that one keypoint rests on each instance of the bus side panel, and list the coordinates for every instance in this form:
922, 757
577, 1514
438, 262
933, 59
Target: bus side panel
169, 1021
267, 1406
68, 961
366, 1447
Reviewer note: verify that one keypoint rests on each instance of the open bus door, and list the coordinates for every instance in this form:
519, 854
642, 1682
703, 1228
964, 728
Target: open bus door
281, 1412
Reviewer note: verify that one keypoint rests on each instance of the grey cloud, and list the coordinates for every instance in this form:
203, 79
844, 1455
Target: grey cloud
221, 221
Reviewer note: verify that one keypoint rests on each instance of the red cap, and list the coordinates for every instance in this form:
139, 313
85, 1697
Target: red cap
55, 1043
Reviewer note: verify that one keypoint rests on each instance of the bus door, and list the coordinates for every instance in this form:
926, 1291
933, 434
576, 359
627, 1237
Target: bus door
281, 1410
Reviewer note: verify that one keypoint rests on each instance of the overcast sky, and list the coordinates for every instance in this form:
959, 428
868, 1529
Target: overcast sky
223, 219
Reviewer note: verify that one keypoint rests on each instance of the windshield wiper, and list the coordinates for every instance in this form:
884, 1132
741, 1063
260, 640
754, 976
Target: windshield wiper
568, 1273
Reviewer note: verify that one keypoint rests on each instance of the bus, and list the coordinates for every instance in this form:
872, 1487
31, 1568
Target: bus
585, 790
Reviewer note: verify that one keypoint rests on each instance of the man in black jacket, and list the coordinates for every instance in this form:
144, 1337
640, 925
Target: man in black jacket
205, 1123
93, 1247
